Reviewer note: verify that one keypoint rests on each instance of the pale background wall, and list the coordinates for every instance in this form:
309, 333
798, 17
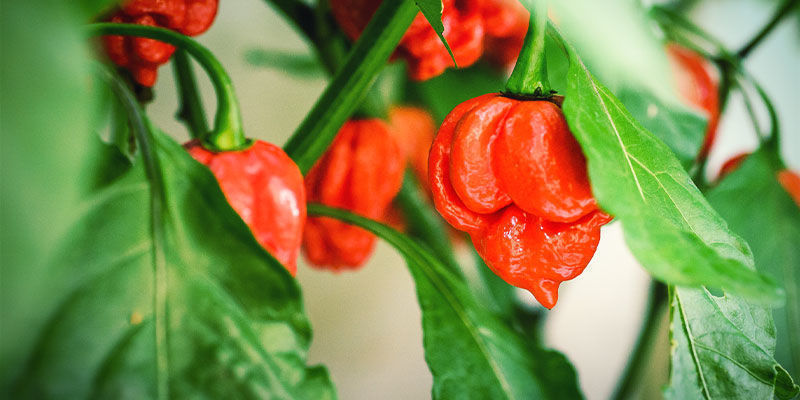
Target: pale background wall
367, 324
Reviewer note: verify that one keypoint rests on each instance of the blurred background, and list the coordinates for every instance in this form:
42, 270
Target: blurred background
367, 323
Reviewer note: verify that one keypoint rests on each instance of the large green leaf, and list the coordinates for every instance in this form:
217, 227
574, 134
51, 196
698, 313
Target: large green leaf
756, 206
668, 224
471, 353
722, 348
627, 56
45, 118
162, 290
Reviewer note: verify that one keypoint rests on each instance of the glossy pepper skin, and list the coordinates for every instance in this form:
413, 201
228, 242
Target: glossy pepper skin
143, 56
698, 87
266, 188
362, 172
420, 46
510, 174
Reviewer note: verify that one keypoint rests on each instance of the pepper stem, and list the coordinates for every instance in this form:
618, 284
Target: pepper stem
529, 78
227, 133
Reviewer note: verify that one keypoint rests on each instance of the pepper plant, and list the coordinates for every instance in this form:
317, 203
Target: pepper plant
134, 267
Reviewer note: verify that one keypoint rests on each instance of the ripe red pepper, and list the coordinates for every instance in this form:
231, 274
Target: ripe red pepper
420, 46
266, 188
697, 86
143, 56
362, 172
510, 174
413, 129
506, 23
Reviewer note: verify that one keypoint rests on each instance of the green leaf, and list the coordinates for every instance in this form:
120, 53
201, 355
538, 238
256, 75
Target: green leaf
45, 113
668, 224
722, 349
679, 127
627, 56
164, 292
303, 65
432, 10
470, 352
442, 93
347, 89
756, 206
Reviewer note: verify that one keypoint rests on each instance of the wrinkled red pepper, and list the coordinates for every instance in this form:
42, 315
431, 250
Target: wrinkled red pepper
510, 174
420, 46
506, 23
266, 188
362, 172
698, 87
143, 56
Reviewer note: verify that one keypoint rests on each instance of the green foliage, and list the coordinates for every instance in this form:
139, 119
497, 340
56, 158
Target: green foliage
668, 224
432, 10
756, 206
345, 93
471, 353
627, 56
175, 297
722, 348
302, 65
442, 93
45, 114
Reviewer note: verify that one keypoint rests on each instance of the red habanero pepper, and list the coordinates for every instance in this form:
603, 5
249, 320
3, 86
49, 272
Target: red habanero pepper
506, 23
420, 46
413, 129
362, 172
698, 87
143, 56
510, 174
266, 188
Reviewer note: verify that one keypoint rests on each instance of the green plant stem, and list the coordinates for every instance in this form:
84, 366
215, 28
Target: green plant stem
529, 78
655, 308
773, 139
345, 92
191, 104
227, 133
783, 10
423, 223
733, 75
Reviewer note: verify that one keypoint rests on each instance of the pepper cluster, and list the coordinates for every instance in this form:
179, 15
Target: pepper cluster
510, 174
362, 172
266, 188
468, 26
143, 56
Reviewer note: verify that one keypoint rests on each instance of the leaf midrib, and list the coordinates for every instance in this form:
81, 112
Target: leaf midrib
471, 328
693, 352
